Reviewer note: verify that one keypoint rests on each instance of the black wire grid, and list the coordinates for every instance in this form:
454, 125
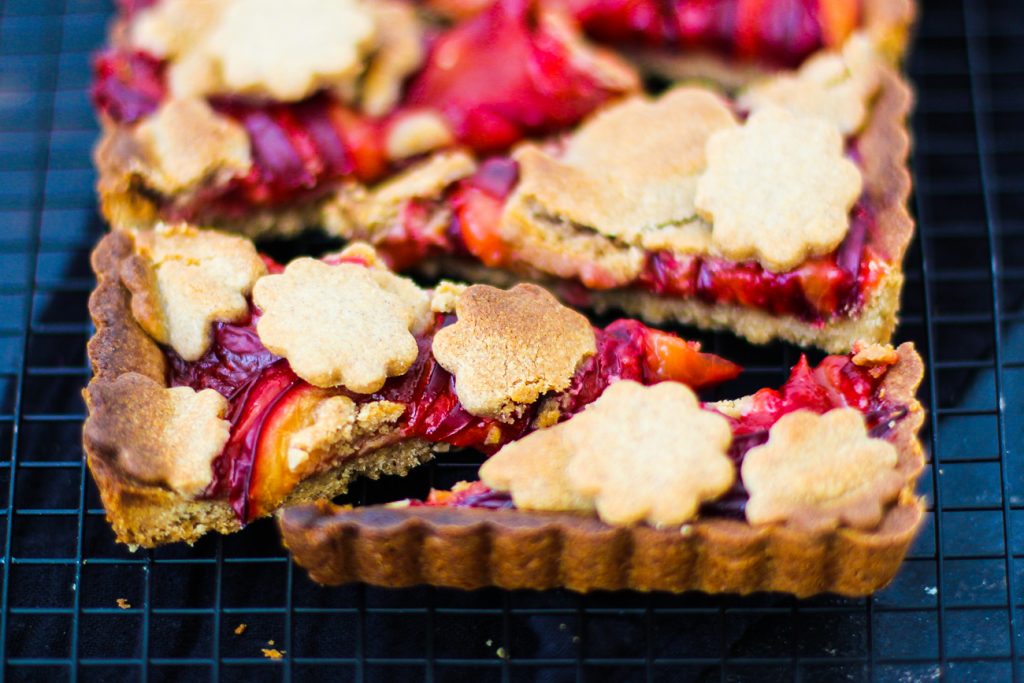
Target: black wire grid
953, 611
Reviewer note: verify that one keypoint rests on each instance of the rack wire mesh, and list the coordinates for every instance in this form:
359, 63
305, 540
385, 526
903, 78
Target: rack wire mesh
76, 606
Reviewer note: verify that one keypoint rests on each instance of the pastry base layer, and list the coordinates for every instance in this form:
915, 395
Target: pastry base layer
516, 549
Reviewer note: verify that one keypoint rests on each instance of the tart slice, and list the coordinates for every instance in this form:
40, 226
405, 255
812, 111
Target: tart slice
227, 384
248, 112
806, 489
778, 213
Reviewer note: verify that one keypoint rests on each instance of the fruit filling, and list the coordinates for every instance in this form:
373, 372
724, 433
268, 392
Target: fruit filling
836, 382
819, 290
268, 402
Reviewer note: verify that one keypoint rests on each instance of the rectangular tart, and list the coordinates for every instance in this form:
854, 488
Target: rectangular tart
473, 536
226, 384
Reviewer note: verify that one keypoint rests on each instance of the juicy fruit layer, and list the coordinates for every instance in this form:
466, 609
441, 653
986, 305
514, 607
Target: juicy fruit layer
817, 291
269, 402
491, 92
835, 383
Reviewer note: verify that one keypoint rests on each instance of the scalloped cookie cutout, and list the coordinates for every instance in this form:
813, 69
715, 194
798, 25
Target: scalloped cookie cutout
778, 189
820, 471
182, 280
630, 172
338, 325
648, 454
186, 143
833, 86
508, 348
163, 436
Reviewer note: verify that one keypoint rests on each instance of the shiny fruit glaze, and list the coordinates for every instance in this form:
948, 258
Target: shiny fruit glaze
835, 383
268, 402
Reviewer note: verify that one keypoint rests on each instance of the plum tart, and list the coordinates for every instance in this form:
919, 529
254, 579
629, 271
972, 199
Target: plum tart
805, 489
227, 384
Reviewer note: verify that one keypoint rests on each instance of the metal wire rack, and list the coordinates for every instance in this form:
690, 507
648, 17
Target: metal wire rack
75, 606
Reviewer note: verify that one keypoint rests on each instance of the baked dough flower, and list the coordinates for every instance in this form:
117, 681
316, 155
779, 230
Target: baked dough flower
164, 436
833, 86
821, 470
507, 348
340, 325
637, 454
778, 189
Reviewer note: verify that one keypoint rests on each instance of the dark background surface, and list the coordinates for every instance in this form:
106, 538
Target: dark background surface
953, 611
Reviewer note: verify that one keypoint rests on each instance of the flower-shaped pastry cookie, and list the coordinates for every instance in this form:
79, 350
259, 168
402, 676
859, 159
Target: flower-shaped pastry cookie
630, 172
637, 454
649, 454
777, 189
182, 280
510, 347
821, 470
339, 325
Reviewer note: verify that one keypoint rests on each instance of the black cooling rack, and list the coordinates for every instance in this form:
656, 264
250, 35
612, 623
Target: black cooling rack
954, 610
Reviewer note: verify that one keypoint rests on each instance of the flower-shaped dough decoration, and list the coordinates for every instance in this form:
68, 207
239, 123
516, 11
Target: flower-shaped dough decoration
340, 325
777, 189
833, 86
165, 436
820, 471
637, 454
508, 348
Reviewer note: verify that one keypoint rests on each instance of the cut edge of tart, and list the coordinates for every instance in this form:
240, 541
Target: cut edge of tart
183, 438
489, 544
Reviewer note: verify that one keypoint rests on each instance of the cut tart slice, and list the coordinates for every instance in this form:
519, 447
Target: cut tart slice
804, 490
226, 384
780, 213
247, 112
729, 41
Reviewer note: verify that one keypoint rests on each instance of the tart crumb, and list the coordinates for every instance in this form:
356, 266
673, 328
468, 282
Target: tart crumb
240, 629
272, 653
123, 603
